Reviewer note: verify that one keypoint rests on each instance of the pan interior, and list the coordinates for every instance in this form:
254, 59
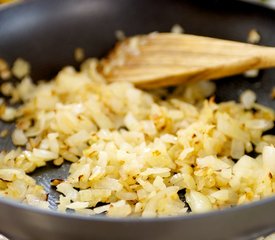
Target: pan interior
47, 39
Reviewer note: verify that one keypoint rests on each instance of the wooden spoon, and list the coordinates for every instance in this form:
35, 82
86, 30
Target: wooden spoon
167, 59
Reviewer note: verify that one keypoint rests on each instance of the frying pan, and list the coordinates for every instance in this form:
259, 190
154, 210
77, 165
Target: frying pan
46, 34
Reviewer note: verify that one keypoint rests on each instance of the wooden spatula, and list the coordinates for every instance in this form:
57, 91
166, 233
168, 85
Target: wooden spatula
167, 59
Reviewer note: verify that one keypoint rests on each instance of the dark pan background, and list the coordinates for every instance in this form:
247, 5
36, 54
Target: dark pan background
46, 33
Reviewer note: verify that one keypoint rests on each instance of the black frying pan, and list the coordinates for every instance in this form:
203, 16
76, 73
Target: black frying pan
46, 33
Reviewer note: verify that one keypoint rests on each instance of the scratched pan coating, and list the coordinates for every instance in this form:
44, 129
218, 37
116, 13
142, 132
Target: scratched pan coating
46, 34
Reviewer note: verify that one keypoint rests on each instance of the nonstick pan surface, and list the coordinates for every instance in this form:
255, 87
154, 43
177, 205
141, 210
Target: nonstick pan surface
46, 34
